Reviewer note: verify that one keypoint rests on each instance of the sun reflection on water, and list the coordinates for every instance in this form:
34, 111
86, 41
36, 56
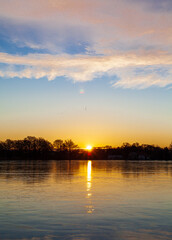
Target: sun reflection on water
88, 176
90, 208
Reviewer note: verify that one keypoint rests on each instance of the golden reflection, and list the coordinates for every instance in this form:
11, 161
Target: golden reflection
88, 176
90, 208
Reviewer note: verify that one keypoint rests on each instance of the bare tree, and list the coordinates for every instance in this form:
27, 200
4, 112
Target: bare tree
58, 144
70, 145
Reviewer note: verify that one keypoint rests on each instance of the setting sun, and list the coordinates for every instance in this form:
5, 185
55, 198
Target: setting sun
89, 147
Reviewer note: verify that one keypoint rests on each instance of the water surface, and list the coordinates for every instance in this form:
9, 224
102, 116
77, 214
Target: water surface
85, 200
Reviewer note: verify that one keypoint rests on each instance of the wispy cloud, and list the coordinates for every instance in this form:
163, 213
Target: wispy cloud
86, 39
131, 69
104, 25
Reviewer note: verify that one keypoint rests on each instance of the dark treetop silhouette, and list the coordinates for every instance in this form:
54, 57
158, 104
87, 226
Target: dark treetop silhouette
39, 148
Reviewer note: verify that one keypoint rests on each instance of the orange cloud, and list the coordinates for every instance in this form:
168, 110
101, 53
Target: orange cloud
106, 22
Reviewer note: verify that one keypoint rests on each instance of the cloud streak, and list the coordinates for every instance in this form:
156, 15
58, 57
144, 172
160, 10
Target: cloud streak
132, 70
81, 40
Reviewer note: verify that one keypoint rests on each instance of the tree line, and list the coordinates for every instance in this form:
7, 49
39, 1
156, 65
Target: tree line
37, 144
38, 148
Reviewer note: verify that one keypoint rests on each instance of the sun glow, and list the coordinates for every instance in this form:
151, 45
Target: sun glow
89, 147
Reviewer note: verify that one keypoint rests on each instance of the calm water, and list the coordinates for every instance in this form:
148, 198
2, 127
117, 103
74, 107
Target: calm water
85, 200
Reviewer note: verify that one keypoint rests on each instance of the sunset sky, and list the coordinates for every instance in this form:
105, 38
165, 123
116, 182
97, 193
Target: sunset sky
96, 71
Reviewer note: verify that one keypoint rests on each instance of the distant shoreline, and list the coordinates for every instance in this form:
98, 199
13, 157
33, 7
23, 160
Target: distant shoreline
38, 148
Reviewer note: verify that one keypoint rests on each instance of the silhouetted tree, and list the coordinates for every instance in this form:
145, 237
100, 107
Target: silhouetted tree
58, 144
70, 145
38, 148
9, 144
107, 147
170, 146
44, 145
126, 145
19, 145
136, 145
37, 144
2, 146
31, 143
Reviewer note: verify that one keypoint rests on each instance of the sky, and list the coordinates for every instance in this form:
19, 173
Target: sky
97, 72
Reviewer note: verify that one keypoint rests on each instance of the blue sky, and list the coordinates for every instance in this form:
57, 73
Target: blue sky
97, 72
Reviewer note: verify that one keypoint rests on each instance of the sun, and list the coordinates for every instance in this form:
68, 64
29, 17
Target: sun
89, 147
